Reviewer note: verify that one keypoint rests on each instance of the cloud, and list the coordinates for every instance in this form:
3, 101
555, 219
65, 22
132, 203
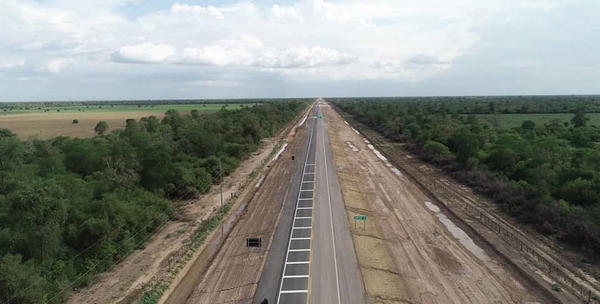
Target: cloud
289, 46
146, 52
197, 10
243, 51
286, 12
55, 65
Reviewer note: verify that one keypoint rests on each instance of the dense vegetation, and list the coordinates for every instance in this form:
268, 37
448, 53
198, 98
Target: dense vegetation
544, 175
70, 208
9, 106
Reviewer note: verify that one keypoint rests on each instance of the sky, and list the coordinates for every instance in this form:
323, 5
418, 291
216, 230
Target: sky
161, 49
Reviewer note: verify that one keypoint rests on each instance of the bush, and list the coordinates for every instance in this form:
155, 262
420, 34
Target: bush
75, 121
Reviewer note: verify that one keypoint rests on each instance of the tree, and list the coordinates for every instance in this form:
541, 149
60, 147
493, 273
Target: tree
579, 120
528, 125
101, 128
75, 121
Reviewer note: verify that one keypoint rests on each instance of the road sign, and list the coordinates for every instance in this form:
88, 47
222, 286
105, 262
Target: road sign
253, 242
360, 218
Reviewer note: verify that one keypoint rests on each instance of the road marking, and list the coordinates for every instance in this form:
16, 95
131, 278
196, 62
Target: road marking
300, 238
303, 217
293, 291
295, 276
302, 227
310, 165
306, 190
300, 208
305, 199
297, 250
308, 182
294, 224
337, 280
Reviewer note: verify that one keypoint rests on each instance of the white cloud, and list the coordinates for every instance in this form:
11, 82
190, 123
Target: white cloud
243, 51
197, 10
306, 41
55, 65
286, 12
146, 52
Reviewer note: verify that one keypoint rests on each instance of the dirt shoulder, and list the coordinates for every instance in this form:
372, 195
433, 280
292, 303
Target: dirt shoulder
541, 263
409, 251
124, 283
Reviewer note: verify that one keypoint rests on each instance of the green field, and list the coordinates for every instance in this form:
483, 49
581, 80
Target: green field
515, 120
160, 109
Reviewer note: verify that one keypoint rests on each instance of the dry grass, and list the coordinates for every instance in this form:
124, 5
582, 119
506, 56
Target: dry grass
48, 125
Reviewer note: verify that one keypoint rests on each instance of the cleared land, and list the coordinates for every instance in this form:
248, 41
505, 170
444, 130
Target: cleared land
36, 123
406, 252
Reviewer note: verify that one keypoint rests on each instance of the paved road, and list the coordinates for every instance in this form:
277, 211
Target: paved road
312, 258
335, 276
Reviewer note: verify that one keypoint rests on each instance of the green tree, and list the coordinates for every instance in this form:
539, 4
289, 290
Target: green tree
101, 128
579, 119
75, 121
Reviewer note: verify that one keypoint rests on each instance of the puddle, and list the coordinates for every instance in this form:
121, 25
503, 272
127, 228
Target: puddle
302, 122
543, 276
355, 149
458, 233
396, 171
379, 155
259, 182
280, 151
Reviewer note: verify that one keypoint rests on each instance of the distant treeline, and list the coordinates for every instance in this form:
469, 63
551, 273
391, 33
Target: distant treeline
34, 105
71, 208
497, 104
547, 176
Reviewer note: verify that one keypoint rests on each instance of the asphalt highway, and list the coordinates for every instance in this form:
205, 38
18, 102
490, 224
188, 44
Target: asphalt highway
312, 258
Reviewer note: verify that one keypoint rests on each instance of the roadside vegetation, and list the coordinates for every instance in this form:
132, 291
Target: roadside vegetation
544, 175
72, 208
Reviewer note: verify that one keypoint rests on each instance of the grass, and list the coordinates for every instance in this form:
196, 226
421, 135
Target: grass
556, 287
515, 120
35, 123
121, 108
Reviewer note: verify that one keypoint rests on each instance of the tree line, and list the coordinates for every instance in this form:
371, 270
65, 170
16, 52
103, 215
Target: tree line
145, 102
71, 207
546, 176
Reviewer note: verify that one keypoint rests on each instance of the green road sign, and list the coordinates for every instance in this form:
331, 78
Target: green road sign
360, 217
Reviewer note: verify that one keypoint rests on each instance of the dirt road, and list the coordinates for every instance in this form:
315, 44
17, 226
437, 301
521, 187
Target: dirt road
408, 250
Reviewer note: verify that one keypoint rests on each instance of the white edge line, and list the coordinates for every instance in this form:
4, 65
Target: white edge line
303, 217
306, 190
287, 253
308, 182
306, 199
300, 238
299, 250
302, 208
302, 228
299, 262
295, 276
292, 291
